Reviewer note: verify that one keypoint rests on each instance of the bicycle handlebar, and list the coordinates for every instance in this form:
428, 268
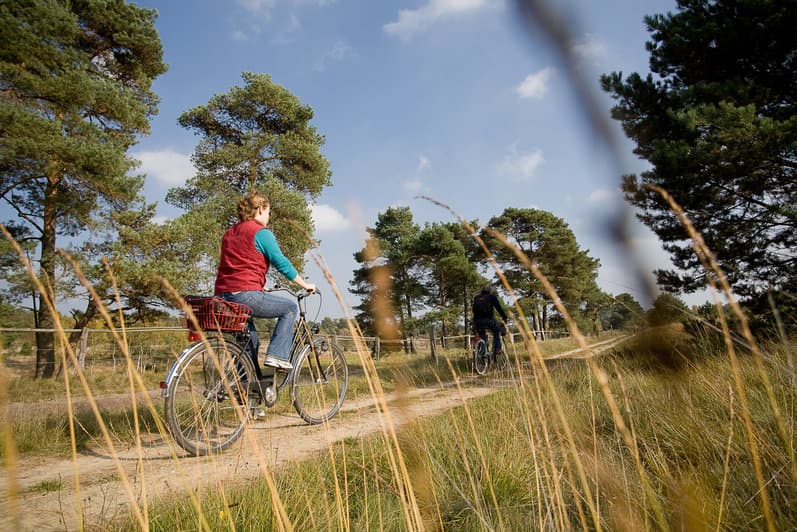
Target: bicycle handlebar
298, 294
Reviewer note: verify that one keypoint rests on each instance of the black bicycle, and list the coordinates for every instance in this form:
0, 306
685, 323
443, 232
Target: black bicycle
483, 355
214, 388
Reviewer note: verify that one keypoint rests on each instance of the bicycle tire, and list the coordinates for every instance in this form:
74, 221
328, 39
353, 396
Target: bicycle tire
501, 359
319, 381
207, 402
480, 357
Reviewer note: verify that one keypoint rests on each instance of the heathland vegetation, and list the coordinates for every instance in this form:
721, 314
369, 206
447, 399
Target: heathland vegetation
688, 423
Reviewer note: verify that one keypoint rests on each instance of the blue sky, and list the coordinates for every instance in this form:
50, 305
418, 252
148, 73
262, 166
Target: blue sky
453, 99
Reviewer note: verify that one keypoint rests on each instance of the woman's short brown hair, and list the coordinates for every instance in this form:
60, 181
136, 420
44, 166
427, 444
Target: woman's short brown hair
250, 204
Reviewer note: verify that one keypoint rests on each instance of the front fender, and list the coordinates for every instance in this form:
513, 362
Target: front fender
174, 371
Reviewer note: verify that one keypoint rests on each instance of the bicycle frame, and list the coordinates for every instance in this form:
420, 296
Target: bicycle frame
216, 377
302, 336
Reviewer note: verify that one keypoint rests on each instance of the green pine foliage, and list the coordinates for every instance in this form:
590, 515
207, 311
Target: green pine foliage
76, 80
255, 137
548, 242
717, 120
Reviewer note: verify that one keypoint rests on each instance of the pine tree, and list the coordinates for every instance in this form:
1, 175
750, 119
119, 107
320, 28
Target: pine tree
257, 137
548, 242
76, 92
717, 121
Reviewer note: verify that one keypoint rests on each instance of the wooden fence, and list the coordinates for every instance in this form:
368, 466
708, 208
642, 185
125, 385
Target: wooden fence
155, 348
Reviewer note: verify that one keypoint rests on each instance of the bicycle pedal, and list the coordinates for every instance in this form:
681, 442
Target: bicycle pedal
269, 396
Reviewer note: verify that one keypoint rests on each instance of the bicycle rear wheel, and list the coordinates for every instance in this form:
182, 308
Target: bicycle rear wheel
501, 359
208, 399
480, 357
320, 379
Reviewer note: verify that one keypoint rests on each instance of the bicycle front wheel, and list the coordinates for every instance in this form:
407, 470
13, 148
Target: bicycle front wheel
320, 379
208, 399
480, 357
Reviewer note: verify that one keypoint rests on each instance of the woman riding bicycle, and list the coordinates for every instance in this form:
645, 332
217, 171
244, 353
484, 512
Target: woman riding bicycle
483, 319
248, 250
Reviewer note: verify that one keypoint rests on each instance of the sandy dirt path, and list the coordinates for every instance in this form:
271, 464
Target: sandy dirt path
162, 468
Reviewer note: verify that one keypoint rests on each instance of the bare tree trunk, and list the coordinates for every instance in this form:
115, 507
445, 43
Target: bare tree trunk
537, 321
82, 320
546, 320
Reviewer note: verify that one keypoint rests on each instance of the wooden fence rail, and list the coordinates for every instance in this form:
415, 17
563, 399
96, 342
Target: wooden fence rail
154, 348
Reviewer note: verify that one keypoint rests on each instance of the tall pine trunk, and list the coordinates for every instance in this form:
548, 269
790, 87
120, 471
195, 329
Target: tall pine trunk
45, 341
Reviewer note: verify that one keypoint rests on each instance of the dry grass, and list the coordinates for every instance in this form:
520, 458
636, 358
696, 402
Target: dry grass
662, 434
493, 464
665, 434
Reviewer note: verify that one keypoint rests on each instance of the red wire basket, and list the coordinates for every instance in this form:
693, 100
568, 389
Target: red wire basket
217, 314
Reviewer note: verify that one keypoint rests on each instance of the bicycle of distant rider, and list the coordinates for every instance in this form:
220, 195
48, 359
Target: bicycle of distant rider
483, 354
214, 388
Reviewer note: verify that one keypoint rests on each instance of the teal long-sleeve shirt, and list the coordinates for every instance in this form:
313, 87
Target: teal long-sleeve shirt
266, 243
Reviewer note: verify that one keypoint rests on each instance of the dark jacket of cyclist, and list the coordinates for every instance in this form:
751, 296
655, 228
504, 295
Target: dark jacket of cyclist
484, 306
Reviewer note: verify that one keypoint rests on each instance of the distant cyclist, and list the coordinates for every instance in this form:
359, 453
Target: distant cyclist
483, 306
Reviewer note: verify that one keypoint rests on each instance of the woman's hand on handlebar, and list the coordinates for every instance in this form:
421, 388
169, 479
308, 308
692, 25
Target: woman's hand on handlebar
309, 288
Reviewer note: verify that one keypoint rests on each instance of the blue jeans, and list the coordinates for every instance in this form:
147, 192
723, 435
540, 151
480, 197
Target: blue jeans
495, 326
269, 305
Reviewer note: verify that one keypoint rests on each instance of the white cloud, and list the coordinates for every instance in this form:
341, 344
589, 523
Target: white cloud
252, 16
416, 186
240, 35
287, 32
339, 51
423, 163
264, 7
535, 85
166, 166
328, 220
589, 47
599, 195
257, 7
522, 166
411, 21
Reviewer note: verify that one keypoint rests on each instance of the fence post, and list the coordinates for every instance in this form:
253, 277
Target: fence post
84, 340
431, 343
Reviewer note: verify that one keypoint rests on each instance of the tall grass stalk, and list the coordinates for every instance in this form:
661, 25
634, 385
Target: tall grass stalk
697, 463
8, 444
530, 340
399, 469
586, 457
141, 513
710, 264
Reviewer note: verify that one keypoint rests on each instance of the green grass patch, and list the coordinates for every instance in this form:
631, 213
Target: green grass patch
49, 434
29, 390
48, 486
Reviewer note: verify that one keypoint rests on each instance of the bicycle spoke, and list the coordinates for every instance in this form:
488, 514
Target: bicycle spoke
319, 383
206, 404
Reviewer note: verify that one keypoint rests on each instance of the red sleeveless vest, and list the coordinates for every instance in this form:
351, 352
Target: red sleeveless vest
242, 266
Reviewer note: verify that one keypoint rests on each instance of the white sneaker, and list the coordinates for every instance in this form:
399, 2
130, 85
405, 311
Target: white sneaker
258, 413
278, 363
